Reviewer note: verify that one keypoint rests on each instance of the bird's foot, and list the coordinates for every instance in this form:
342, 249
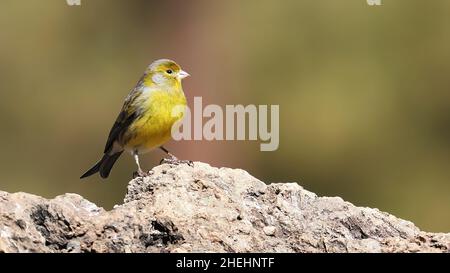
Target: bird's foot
139, 173
175, 161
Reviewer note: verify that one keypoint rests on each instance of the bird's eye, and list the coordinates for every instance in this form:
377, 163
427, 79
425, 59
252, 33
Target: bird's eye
169, 71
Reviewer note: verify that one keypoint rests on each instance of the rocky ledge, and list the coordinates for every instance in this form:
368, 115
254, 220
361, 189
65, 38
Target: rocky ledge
200, 208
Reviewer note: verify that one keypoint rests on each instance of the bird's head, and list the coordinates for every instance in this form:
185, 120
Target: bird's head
164, 72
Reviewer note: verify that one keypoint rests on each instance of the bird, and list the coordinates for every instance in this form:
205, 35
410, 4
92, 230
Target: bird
147, 116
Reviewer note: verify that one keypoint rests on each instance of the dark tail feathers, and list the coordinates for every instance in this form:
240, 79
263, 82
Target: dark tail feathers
104, 166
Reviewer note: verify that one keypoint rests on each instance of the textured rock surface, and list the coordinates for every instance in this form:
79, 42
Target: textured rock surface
206, 209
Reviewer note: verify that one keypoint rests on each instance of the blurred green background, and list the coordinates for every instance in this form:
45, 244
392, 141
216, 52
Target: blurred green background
364, 93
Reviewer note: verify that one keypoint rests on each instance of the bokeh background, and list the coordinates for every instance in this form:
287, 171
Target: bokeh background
364, 93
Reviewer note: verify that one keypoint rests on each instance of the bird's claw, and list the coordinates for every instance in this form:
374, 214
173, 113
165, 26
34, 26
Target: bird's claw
139, 173
176, 161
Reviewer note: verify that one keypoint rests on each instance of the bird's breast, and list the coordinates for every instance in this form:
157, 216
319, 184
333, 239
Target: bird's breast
159, 111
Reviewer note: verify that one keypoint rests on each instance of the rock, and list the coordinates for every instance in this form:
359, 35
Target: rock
205, 209
269, 230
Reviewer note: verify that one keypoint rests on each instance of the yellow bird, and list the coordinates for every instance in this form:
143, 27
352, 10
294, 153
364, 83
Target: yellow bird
147, 116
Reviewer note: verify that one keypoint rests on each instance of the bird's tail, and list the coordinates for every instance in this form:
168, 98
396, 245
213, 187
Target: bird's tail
103, 166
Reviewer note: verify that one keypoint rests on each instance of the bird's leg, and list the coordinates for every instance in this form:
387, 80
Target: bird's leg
139, 172
173, 159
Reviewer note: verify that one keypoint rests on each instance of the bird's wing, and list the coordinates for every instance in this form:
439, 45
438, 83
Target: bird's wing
128, 114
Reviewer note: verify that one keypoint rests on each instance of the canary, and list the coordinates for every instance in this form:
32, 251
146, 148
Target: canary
147, 116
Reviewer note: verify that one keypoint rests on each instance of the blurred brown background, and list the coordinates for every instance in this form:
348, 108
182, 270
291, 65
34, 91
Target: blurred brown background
364, 93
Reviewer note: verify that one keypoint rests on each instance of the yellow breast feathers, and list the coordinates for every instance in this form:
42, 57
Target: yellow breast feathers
160, 110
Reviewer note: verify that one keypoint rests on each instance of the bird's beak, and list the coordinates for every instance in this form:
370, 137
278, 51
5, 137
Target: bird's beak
183, 74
